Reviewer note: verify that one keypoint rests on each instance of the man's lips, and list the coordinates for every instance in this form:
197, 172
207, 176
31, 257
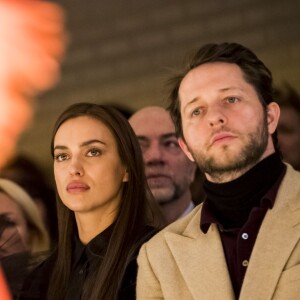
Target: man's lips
221, 137
156, 175
158, 180
77, 187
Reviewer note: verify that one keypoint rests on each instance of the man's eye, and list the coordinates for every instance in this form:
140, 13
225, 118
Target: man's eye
196, 112
171, 147
144, 146
171, 144
232, 100
61, 157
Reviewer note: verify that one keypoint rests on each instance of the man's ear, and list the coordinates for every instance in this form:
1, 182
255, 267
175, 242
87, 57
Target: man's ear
185, 148
273, 114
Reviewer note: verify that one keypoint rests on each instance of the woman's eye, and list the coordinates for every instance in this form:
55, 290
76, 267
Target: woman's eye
61, 157
6, 221
94, 152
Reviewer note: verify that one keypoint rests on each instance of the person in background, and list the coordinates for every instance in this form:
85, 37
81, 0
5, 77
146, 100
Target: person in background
24, 240
26, 173
33, 42
289, 124
169, 172
18, 211
243, 242
105, 212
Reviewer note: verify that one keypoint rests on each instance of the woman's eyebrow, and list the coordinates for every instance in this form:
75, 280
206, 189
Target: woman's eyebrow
92, 142
83, 144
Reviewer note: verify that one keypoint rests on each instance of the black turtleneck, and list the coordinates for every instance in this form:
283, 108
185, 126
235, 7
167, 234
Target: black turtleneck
232, 201
238, 209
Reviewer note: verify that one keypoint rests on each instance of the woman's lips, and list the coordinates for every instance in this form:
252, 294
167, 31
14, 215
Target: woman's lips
77, 187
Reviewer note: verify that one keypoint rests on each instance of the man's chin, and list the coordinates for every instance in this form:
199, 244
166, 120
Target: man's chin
162, 195
159, 182
229, 166
218, 164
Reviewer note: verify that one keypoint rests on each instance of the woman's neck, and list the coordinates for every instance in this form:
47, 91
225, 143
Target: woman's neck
90, 225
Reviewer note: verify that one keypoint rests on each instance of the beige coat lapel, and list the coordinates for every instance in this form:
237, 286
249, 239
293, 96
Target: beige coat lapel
279, 233
201, 261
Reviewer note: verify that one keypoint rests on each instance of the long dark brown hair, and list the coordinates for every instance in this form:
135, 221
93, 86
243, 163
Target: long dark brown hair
136, 211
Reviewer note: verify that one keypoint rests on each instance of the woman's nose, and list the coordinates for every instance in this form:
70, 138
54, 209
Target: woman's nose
76, 168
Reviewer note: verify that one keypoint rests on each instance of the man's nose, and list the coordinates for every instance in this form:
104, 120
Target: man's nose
154, 153
216, 116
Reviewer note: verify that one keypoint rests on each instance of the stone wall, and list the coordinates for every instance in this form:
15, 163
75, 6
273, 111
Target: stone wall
123, 51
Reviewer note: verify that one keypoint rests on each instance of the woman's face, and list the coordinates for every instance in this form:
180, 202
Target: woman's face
14, 214
88, 171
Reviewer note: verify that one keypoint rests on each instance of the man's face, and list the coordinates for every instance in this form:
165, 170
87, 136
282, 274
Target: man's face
289, 136
169, 172
225, 128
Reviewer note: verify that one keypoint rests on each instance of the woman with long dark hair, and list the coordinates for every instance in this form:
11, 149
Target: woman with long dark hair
105, 210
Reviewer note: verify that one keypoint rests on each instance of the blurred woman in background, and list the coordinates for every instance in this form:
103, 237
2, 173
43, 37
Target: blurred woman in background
24, 241
22, 228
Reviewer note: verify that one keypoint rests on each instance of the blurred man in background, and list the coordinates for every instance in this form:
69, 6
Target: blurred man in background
289, 125
169, 172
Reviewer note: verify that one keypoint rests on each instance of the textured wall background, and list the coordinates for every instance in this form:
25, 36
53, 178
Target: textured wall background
123, 51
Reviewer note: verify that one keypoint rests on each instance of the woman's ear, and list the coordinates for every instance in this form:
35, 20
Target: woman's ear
185, 148
273, 114
126, 176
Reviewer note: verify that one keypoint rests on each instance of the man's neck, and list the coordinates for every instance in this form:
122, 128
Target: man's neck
173, 210
233, 201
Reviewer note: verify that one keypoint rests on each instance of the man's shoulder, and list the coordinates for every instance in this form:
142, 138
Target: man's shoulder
179, 227
289, 189
291, 172
291, 180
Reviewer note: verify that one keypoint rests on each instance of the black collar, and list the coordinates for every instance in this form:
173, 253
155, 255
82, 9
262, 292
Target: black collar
96, 248
231, 202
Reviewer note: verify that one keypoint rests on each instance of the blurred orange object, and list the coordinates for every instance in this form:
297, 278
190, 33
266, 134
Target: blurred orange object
32, 45
4, 290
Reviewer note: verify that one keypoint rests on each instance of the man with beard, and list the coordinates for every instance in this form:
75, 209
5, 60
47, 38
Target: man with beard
168, 170
289, 125
243, 241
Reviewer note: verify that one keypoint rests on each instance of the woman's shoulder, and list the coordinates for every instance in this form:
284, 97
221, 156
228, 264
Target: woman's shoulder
36, 283
128, 286
147, 232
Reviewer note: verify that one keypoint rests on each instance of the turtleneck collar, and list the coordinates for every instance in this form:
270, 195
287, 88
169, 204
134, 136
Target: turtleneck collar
232, 201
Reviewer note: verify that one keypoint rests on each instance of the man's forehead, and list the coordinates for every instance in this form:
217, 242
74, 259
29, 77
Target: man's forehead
152, 120
157, 136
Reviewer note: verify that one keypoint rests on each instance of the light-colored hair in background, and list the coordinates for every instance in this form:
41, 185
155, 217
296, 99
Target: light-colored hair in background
39, 239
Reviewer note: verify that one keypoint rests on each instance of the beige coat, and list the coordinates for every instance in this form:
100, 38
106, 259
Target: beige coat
183, 263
